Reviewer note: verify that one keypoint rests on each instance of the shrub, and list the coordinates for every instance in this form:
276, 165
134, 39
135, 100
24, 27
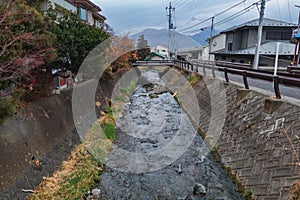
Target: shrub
8, 106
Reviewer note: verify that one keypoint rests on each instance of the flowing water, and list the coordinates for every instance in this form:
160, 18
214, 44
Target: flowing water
157, 152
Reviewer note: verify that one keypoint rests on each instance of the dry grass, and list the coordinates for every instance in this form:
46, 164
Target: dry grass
73, 179
295, 191
81, 171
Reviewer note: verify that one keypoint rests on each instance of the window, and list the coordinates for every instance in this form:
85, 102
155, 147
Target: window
83, 14
163, 50
229, 46
278, 35
232, 60
242, 61
195, 55
97, 24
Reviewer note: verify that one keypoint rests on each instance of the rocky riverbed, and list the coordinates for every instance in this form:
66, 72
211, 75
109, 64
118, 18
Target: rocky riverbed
157, 153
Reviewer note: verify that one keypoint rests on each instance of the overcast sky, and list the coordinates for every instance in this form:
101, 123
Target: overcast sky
128, 15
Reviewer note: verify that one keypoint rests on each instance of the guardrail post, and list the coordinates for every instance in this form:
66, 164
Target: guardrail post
192, 67
213, 72
226, 75
204, 72
245, 80
276, 87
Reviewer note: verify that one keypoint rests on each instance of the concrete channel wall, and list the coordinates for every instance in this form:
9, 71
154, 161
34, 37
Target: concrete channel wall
44, 130
35, 131
260, 137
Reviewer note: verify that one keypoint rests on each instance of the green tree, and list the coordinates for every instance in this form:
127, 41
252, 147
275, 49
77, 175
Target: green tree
143, 49
75, 39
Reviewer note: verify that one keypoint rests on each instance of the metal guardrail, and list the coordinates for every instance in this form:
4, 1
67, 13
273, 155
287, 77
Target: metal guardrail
153, 63
293, 69
245, 72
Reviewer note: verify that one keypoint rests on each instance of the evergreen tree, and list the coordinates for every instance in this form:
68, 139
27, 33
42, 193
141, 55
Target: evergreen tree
75, 39
143, 49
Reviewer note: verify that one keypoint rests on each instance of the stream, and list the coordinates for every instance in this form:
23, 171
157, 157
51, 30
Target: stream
157, 154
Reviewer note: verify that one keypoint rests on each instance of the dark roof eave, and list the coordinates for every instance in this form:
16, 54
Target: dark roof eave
86, 4
99, 16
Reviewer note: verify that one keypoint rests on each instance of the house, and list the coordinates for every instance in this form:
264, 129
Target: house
87, 10
161, 50
237, 44
155, 56
61, 4
191, 54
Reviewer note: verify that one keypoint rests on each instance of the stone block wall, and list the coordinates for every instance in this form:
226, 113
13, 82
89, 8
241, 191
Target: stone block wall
259, 140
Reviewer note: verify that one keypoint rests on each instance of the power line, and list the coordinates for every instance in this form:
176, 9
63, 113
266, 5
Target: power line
188, 11
230, 8
231, 17
235, 15
289, 8
214, 15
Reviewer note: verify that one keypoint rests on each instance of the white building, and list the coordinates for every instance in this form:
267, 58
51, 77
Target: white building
161, 50
87, 10
238, 43
191, 54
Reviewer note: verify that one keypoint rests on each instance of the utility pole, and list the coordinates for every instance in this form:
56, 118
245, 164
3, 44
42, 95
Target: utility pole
169, 10
296, 36
259, 34
211, 34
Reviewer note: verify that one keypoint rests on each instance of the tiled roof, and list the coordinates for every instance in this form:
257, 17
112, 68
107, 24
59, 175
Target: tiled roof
266, 23
152, 54
268, 48
86, 4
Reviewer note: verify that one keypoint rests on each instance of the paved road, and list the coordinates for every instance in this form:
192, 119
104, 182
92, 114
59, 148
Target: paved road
286, 91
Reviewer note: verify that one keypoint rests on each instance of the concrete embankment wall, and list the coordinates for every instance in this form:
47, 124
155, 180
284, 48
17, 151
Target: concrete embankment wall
259, 140
44, 130
35, 131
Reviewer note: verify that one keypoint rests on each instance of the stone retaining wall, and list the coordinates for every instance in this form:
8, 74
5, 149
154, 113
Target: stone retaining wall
259, 140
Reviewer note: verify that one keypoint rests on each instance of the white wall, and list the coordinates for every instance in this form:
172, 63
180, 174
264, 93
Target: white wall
218, 42
161, 50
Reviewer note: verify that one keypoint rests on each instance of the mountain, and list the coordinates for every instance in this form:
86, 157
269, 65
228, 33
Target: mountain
156, 37
203, 36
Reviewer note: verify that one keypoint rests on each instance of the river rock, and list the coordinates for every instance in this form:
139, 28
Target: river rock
96, 192
199, 189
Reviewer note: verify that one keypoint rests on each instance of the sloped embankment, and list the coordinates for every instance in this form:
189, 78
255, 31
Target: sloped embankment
47, 133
